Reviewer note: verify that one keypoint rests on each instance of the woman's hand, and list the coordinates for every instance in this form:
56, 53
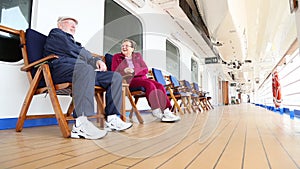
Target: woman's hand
128, 70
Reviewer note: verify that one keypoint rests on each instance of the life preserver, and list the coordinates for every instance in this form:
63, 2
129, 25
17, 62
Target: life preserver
276, 88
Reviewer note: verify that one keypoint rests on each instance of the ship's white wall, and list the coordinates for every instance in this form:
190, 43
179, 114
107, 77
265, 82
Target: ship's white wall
44, 16
89, 15
157, 28
12, 89
297, 17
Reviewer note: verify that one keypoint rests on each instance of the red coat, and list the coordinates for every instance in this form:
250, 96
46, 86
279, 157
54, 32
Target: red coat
155, 92
119, 64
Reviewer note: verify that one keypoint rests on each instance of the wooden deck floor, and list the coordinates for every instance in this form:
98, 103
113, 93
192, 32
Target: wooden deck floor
228, 137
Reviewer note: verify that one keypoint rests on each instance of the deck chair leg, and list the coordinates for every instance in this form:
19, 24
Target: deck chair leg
206, 105
188, 104
210, 105
62, 122
193, 105
28, 99
132, 109
70, 109
100, 109
175, 101
199, 105
123, 109
185, 102
133, 104
181, 104
202, 104
173, 109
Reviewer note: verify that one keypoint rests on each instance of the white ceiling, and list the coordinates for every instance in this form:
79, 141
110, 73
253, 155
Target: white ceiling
258, 30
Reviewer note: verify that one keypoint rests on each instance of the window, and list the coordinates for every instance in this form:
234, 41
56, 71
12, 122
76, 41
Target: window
173, 59
119, 25
15, 14
194, 70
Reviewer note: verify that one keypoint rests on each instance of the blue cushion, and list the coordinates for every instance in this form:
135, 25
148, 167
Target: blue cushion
140, 88
194, 95
187, 84
35, 42
158, 76
174, 81
108, 61
175, 93
196, 87
181, 94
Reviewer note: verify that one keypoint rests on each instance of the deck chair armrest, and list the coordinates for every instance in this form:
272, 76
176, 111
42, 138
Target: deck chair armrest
36, 63
98, 56
126, 76
180, 89
169, 85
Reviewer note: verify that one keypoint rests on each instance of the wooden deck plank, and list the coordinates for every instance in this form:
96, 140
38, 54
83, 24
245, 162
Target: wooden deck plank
254, 153
208, 156
98, 162
287, 133
37, 154
234, 151
78, 160
180, 155
45, 161
245, 136
277, 155
160, 159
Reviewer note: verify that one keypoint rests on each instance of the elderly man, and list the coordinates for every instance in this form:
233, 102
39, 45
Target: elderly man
77, 65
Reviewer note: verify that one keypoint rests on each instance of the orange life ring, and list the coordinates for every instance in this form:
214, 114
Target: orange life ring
276, 88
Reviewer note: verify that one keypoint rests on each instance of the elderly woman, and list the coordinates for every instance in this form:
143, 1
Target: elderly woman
130, 62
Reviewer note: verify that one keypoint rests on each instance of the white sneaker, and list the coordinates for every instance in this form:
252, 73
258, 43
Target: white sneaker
106, 127
83, 128
157, 113
169, 117
115, 123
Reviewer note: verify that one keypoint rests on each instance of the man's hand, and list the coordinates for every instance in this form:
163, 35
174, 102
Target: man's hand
101, 66
128, 70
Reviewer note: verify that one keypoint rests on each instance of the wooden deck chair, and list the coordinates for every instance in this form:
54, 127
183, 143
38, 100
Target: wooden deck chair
208, 101
40, 79
181, 93
208, 98
195, 98
205, 104
137, 93
158, 76
130, 93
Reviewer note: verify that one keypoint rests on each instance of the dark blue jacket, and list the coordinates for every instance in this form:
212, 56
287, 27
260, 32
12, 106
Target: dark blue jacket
63, 45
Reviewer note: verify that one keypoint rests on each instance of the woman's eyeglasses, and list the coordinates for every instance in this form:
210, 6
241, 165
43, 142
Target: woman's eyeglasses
126, 46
